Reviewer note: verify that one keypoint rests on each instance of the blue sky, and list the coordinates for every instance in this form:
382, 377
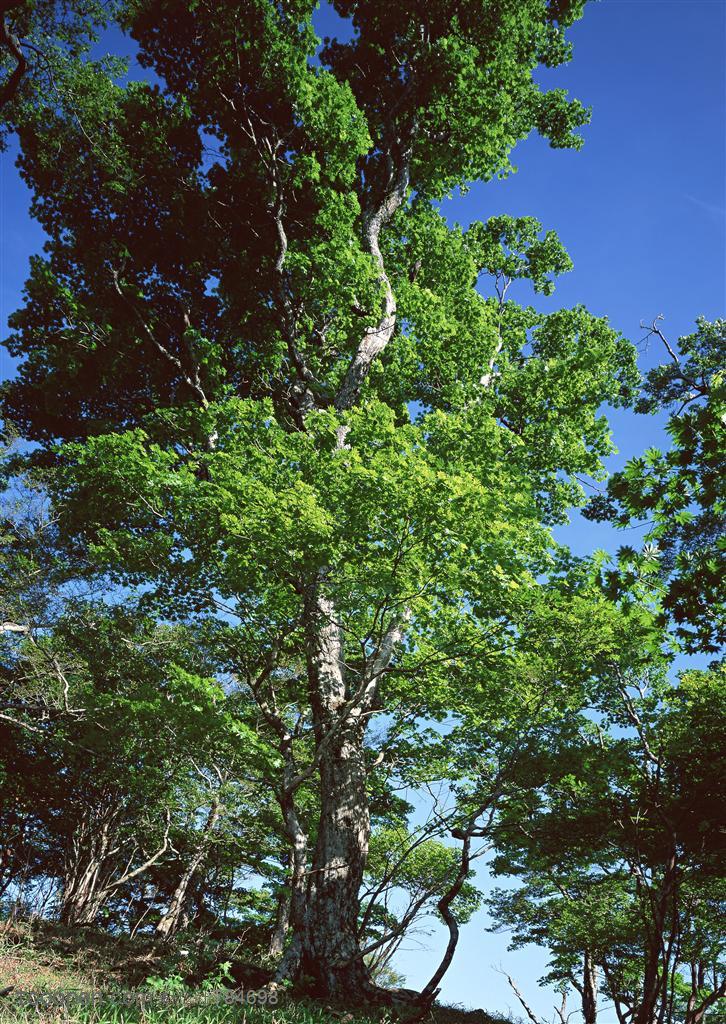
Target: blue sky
642, 211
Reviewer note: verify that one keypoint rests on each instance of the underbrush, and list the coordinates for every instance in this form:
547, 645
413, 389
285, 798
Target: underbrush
86, 976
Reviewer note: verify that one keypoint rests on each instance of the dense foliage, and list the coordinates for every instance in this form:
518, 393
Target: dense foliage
284, 458
680, 493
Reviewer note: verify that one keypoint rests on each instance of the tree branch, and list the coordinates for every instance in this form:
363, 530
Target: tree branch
11, 43
194, 382
377, 337
527, 1009
128, 875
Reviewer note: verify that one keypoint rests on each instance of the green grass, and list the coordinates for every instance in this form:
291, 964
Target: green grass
61, 978
113, 1013
66, 976
61, 967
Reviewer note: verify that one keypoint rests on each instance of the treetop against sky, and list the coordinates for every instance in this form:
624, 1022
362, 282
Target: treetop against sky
639, 210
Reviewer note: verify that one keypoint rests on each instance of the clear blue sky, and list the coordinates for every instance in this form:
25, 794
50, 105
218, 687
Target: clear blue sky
642, 211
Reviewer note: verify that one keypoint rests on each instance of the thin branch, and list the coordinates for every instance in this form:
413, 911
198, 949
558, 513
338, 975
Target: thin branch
193, 382
527, 1009
128, 875
655, 329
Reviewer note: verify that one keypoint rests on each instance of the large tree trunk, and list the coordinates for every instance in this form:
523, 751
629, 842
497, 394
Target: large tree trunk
329, 949
170, 922
325, 903
324, 917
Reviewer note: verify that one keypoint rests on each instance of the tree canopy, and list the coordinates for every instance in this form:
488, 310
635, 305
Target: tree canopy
305, 450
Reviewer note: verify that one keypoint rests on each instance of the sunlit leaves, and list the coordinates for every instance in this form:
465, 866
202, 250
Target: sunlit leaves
678, 495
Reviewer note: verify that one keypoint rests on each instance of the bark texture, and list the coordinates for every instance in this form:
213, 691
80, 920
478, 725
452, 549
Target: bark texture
329, 941
589, 989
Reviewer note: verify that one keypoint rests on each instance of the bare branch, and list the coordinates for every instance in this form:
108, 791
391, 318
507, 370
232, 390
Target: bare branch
527, 1009
20, 724
655, 329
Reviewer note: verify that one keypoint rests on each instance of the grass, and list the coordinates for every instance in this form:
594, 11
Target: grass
113, 1013
58, 979
61, 976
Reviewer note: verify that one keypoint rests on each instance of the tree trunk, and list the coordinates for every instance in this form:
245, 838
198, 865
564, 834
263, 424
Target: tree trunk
430, 990
82, 903
83, 894
282, 922
170, 922
92, 871
325, 902
291, 910
698, 1005
656, 959
589, 990
292, 899
329, 950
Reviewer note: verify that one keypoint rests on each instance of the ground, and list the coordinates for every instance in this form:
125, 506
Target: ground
82, 976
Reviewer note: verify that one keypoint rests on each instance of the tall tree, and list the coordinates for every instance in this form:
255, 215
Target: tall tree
257, 357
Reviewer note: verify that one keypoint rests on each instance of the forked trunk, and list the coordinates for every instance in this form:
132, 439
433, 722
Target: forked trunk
89, 849
698, 1003
82, 903
92, 869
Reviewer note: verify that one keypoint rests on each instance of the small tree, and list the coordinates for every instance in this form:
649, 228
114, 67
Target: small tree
618, 855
